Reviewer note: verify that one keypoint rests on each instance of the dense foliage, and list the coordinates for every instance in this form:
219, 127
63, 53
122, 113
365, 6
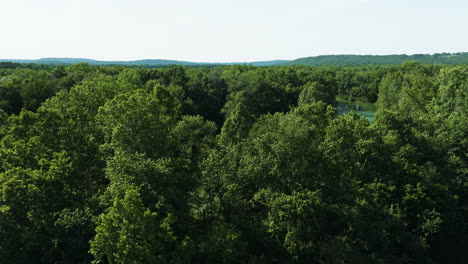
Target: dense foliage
233, 164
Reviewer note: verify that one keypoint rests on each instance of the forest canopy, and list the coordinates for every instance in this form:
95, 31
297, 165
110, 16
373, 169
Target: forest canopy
233, 164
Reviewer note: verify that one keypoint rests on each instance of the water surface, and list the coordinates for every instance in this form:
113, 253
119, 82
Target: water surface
365, 109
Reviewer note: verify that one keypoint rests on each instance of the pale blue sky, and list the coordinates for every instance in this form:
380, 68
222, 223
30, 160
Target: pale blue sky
229, 30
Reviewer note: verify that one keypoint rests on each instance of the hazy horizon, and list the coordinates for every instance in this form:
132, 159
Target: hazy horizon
229, 31
182, 60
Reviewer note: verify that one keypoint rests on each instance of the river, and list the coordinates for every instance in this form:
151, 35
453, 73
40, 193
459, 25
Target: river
365, 109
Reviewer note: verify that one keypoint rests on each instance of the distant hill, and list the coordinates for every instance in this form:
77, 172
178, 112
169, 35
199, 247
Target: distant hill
338, 60
267, 63
356, 60
68, 61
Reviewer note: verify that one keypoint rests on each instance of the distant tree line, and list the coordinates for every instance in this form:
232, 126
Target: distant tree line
362, 60
233, 164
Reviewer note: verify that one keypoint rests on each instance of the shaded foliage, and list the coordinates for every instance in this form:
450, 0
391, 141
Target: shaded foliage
233, 164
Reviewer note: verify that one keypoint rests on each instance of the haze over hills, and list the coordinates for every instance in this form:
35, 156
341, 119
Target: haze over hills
337, 60
148, 62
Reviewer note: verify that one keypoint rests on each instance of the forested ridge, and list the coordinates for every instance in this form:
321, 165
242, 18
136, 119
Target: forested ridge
233, 164
334, 60
358, 60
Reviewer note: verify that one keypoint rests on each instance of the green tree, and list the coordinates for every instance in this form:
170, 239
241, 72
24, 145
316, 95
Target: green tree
131, 233
237, 126
315, 92
140, 122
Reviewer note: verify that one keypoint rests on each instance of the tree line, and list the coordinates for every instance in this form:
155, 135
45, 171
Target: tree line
359, 60
233, 164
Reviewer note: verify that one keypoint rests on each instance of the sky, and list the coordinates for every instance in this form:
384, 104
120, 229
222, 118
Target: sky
229, 30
